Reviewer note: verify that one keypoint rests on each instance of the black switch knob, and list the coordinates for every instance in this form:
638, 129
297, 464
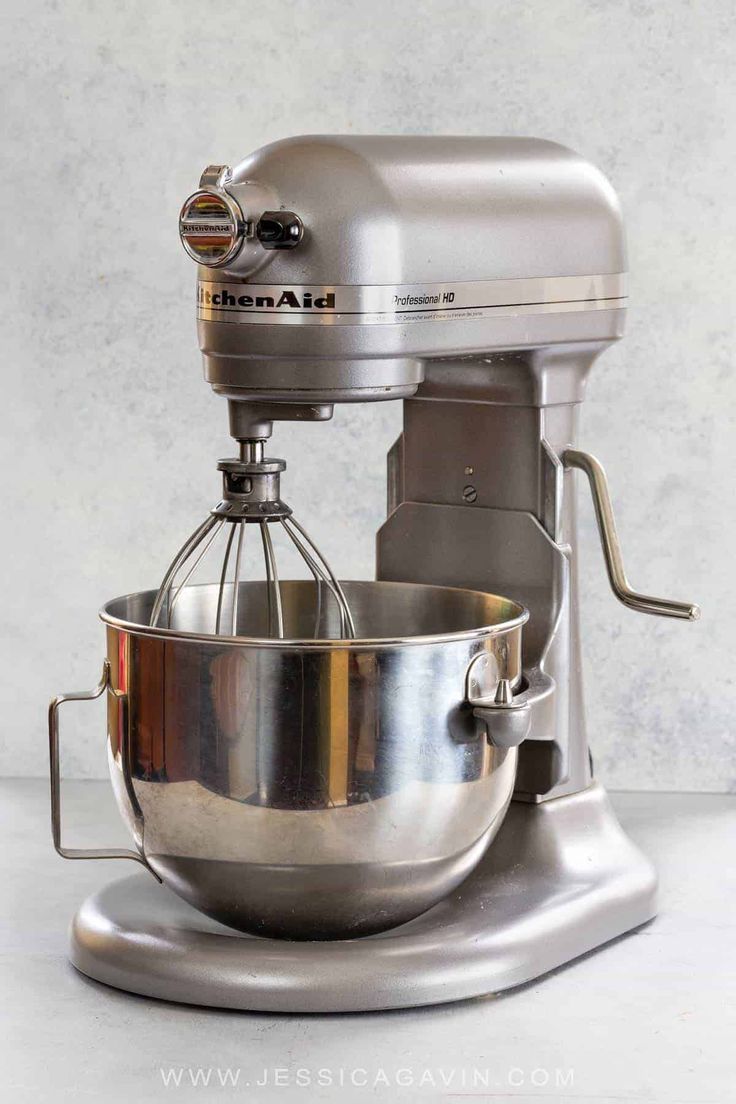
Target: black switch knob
279, 230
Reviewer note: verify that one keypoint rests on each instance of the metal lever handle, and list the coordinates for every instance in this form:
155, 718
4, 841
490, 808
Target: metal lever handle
663, 607
75, 852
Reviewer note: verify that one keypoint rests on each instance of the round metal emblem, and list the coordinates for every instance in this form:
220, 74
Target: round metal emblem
211, 227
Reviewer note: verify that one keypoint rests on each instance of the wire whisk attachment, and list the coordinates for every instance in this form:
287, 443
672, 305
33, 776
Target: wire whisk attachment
251, 500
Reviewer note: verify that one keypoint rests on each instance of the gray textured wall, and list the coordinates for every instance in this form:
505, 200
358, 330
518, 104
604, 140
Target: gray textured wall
109, 434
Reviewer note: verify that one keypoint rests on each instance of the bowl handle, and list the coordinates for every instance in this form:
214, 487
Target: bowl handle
77, 852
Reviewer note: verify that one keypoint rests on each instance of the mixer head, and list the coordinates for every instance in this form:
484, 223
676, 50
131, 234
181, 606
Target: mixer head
337, 269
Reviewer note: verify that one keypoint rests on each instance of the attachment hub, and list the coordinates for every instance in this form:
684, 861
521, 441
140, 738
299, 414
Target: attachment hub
251, 487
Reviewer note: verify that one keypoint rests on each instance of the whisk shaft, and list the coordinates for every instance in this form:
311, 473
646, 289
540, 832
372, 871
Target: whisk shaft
236, 579
223, 578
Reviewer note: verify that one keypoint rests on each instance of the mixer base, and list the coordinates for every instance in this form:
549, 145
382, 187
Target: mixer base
560, 879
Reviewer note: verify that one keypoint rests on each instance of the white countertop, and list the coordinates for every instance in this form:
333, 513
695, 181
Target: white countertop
649, 1018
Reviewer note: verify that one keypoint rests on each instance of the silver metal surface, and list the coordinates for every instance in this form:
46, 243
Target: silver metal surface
401, 304
211, 227
76, 852
290, 780
312, 789
251, 497
418, 249
506, 551
215, 176
407, 209
494, 426
508, 716
560, 879
644, 603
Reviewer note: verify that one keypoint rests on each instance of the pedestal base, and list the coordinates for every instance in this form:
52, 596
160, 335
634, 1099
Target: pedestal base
560, 879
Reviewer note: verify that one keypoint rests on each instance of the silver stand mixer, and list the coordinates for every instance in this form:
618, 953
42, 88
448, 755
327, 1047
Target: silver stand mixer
368, 795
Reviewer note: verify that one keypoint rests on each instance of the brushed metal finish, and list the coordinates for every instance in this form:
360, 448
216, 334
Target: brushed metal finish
402, 304
526, 230
409, 209
560, 879
304, 788
319, 789
471, 428
508, 550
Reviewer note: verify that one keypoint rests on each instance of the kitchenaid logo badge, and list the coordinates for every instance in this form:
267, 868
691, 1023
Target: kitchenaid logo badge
285, 299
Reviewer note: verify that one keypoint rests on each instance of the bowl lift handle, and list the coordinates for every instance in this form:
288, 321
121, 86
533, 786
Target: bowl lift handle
86, 852
644, 603
508, 716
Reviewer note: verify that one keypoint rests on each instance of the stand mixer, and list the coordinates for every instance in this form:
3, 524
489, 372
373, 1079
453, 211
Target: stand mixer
366, 795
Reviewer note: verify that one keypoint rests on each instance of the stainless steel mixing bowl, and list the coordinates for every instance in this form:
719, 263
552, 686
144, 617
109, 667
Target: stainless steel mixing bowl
303, 788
